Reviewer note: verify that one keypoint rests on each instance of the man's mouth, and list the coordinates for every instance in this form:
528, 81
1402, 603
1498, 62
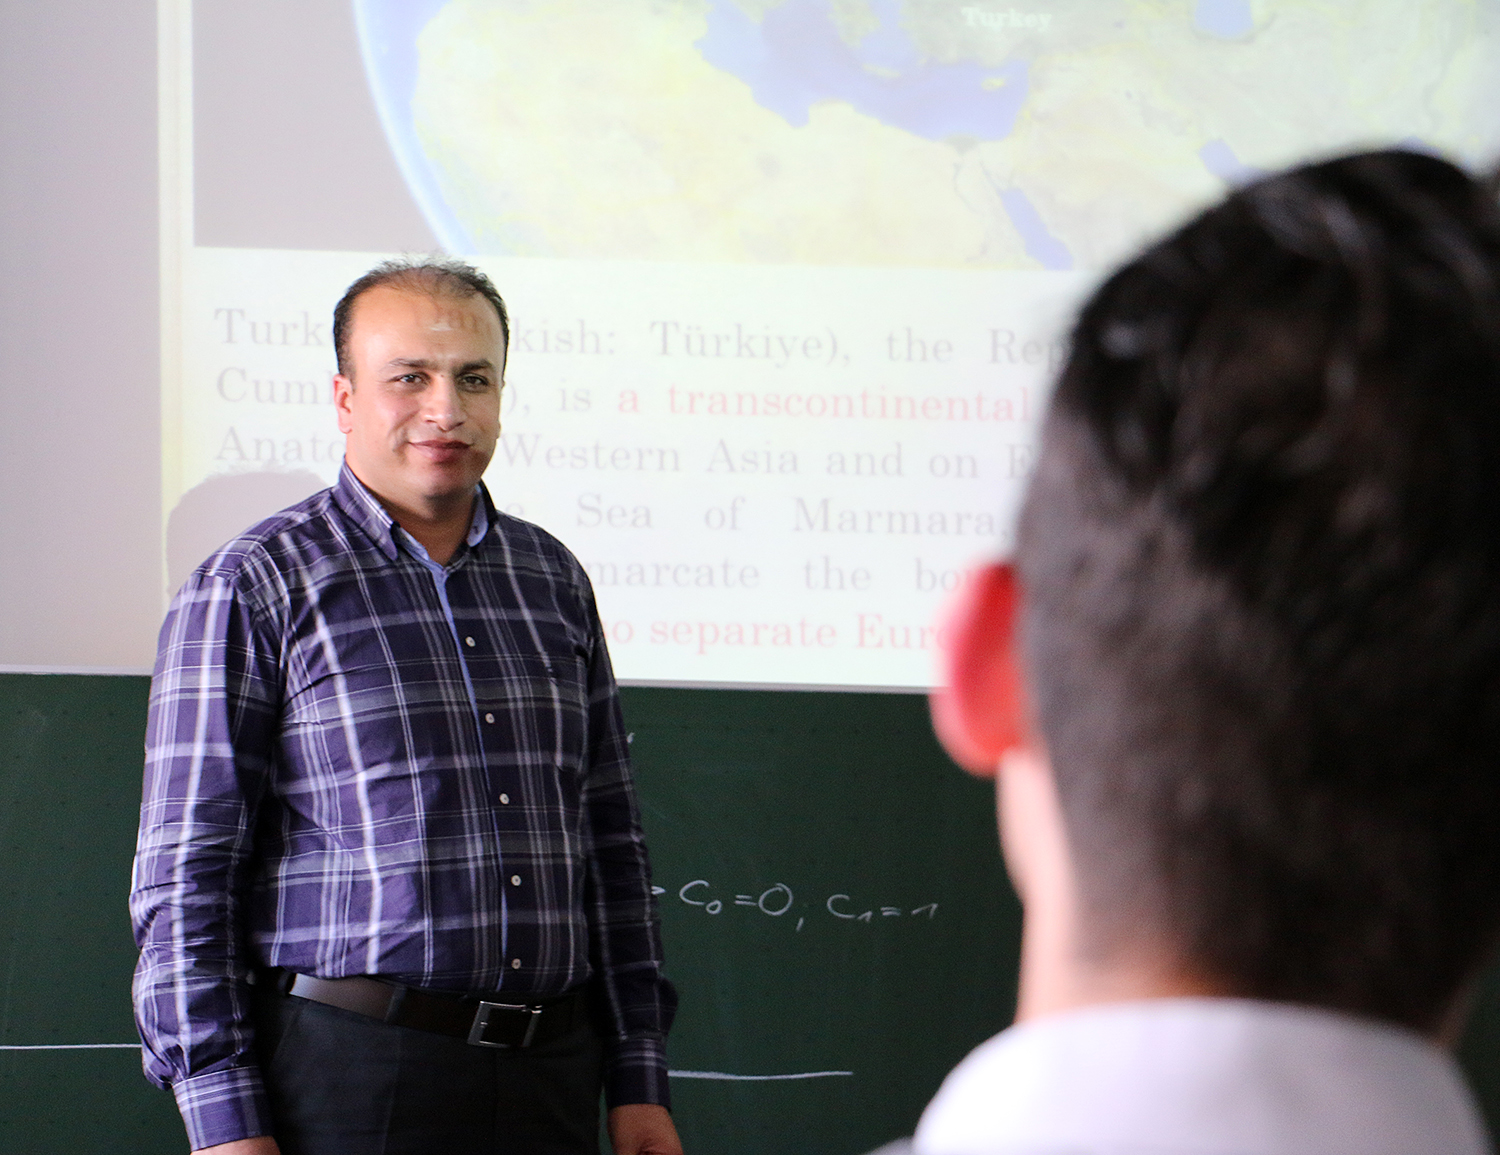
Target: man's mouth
441, 450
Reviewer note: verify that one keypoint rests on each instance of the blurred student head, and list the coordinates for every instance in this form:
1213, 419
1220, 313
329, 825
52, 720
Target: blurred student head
1256, 609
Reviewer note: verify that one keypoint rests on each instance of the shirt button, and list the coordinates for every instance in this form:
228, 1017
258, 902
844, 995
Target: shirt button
515, 964
489, 718
515, 880
469, 642
505, 800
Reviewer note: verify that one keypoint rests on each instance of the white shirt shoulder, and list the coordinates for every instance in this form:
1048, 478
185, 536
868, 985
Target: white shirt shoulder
1203, 1077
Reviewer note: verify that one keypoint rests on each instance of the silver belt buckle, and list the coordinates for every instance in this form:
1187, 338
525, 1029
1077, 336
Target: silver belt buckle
482, 1018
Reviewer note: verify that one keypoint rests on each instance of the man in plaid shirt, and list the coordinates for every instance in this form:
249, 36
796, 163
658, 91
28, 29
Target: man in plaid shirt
391, 891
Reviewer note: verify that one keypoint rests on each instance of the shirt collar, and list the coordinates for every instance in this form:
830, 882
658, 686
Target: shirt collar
1173, 1076
355, 499
480, 524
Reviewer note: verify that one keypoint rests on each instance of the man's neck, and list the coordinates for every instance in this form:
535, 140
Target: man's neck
439, 537
1057, 976
440, 527
1064, 965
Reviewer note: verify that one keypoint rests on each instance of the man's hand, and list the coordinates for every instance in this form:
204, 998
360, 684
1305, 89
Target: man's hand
263, 1145
643, 1129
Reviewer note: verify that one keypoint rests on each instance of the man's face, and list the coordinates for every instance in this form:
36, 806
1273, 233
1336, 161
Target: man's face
421, 409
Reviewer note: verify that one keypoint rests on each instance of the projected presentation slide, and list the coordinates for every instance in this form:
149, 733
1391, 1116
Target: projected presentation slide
790, 279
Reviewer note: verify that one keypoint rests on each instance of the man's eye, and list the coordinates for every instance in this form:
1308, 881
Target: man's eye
475, 384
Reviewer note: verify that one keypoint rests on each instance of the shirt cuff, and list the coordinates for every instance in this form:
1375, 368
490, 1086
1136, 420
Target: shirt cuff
222, 1106
635, 1071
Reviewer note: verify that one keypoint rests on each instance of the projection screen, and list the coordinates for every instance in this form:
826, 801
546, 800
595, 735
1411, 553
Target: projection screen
789, 278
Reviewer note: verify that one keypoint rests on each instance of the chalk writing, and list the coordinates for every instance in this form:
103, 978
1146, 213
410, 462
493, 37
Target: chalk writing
778, 899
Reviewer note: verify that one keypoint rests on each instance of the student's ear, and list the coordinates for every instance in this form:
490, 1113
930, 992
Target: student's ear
979, 712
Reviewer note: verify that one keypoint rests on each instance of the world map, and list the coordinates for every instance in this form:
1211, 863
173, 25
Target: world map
947, 133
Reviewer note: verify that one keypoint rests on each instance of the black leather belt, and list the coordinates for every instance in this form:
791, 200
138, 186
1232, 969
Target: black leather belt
482, 1021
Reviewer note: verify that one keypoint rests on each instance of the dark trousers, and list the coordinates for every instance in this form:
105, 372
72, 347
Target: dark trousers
344, 1084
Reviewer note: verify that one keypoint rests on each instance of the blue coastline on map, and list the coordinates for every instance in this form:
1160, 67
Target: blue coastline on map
888, 46
794, 57
1221, 160
1040, 244
1226, 19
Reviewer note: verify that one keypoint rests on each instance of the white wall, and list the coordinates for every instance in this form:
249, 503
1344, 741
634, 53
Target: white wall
78, 331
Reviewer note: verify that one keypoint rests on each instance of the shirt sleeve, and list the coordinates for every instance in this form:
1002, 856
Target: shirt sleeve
625, 941
210, 738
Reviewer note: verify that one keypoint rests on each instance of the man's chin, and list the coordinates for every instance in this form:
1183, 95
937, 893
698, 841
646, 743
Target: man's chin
441, 478
449, 493
428, 492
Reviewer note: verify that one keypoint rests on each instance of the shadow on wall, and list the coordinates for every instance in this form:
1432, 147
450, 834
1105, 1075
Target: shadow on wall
214, 511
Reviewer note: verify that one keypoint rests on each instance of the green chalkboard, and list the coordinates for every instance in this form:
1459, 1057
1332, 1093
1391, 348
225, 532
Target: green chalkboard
771, 816
833, 901
70, 792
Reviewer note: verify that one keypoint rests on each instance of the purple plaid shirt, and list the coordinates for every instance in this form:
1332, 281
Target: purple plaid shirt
361, 763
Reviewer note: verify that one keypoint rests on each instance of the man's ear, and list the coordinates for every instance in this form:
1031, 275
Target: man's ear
342, 387
979, 713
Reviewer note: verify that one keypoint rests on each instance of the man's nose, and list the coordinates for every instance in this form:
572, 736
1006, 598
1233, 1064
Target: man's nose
443, 403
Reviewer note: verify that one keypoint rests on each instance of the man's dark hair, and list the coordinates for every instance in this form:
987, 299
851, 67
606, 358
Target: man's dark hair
442, 275
1261, 554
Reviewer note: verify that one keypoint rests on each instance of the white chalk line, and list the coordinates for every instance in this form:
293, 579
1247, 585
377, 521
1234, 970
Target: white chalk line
760, 1078
72, 1047
722, 1076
